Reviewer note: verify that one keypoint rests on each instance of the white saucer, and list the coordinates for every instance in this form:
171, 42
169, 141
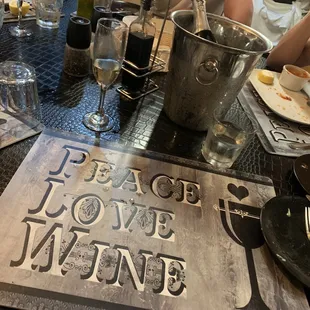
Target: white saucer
286, 103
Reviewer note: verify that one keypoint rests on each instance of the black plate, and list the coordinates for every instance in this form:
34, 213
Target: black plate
302, 171
286, 235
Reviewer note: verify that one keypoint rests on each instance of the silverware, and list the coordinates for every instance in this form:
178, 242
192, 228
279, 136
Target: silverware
299, 146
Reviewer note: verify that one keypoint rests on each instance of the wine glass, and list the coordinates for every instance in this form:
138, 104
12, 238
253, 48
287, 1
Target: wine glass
109, 51
18, 30
245, 230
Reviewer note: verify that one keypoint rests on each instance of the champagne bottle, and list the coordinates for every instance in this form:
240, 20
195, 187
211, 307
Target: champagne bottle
202, 27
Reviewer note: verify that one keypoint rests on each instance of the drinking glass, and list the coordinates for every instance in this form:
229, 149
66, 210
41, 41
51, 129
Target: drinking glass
18, 30
227, 136
48, 13
109, 51
18, 90
20, 111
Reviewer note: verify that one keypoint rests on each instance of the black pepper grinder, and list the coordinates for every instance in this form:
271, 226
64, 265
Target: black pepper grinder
77, 53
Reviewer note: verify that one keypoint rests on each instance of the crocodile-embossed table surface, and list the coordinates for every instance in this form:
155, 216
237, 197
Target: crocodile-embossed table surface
140, 124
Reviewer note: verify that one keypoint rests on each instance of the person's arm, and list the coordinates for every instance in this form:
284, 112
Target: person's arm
294, 46
239, 10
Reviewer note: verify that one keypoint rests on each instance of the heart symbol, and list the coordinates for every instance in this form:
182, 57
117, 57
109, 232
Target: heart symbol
239, 192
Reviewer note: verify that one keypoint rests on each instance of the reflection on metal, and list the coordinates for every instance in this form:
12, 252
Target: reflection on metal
298, 145
305, 129
203, 76
281, 136
159, 64
277, 124
148, 89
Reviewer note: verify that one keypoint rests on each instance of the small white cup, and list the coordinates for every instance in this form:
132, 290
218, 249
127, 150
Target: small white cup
293, 77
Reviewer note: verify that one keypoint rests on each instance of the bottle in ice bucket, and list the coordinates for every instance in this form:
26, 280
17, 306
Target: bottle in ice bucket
202, 27
85, 8
139, 47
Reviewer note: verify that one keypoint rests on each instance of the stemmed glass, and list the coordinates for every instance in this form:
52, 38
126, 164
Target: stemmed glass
109, 51
18, 30
245, 230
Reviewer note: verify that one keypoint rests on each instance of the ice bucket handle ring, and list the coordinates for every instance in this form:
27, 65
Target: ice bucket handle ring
210, 65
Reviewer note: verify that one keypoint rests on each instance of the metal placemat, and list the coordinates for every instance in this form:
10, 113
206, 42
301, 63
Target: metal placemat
15, 127
275, 133
90, 210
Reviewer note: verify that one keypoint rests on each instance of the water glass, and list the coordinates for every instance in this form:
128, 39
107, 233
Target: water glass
227, 136
18, 92
48, 13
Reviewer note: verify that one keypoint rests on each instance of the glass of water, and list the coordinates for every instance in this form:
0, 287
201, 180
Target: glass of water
109, 51
18, 92
227, 136
48, 13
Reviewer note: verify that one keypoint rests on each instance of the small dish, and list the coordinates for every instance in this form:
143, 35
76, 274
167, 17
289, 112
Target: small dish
293, 77
291, 105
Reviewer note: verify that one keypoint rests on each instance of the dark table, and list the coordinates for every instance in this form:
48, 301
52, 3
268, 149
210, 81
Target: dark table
140, 124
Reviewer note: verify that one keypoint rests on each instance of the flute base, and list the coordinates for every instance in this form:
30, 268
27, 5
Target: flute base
18, 32
97, 122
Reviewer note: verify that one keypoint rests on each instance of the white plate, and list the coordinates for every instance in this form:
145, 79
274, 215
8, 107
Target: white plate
296, 109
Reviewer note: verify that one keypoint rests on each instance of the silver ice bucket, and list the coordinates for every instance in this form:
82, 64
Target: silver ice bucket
202, 74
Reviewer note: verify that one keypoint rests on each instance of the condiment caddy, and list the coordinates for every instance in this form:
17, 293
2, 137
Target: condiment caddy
137, 71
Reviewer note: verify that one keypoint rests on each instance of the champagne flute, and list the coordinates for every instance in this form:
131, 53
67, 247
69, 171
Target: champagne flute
109, 51
18, 30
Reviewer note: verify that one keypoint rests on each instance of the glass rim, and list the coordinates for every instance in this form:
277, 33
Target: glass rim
30, 74
120, 23
253, 122
74, 18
